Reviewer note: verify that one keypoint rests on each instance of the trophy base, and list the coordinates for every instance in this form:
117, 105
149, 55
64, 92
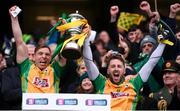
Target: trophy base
71, 53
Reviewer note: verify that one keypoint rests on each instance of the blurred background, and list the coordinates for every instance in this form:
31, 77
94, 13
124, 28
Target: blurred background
37, 14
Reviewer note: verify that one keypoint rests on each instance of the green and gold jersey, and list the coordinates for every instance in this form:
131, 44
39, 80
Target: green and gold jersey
34, 80
123, 96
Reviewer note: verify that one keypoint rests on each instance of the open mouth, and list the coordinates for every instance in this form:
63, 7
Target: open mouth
42, 62
116, 75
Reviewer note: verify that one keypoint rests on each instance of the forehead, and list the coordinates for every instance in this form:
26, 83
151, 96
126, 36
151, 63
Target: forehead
178, 33
138, 30
82, 66
124, 44
44, 50
103, 33
148, 43
86, 79
178, 56
132, 32
115, 61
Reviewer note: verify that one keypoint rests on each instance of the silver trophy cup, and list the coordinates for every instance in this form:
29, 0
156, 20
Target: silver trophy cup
72, 50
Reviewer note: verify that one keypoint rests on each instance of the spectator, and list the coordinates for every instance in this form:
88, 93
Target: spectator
178, 58
155, 81
170, 21
99, 51
10, 85
135, 34
80, 70
165, 95
148, 44
86, 85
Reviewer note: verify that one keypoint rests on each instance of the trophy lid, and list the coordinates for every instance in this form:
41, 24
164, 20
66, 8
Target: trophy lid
76, 15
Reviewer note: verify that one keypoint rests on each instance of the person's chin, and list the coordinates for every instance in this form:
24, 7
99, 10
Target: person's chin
116, 80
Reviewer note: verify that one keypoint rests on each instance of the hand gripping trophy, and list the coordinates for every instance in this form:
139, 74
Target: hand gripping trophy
75, 35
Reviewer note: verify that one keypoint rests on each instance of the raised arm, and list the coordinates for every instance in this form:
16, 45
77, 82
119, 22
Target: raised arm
92, 69
22, 51
151, 63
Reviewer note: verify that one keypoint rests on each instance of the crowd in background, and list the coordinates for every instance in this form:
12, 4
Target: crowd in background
135, 44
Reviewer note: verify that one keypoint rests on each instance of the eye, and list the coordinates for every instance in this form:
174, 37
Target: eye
112, 66
40, 53
47, 54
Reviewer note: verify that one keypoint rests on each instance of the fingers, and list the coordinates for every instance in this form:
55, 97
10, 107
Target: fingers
144, 5
175, 7
120, 37
155, 17
86, 28
114, 10
14, 11
13, 8
63, 21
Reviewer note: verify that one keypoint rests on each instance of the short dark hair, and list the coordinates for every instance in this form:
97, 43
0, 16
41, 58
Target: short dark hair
133, 28
40, 47
116, 56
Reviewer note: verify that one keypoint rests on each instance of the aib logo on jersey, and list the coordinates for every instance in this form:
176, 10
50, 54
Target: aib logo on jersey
118, 94
41, 82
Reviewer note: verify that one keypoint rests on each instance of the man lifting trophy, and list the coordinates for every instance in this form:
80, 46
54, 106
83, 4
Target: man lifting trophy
74, 35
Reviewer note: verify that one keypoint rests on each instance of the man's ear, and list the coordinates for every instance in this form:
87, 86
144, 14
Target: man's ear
125, 69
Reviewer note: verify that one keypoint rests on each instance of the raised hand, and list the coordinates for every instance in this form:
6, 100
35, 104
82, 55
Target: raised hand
144, 5
155, 17
174, 9
14, 11
114, 10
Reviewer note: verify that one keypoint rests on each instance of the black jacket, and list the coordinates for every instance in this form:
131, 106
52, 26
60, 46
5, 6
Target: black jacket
11, 93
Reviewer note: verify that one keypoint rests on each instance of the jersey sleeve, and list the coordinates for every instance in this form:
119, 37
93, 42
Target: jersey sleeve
99, 83
24, 67
137, 82
58, 70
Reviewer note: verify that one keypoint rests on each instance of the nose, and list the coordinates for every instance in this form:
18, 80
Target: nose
85, 70
116, 68
44, 55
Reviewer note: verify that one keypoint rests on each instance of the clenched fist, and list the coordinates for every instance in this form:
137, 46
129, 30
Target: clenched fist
144, 5
174, 9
